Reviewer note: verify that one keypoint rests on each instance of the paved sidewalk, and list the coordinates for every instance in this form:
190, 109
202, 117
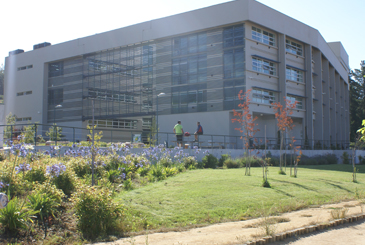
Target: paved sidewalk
349, 234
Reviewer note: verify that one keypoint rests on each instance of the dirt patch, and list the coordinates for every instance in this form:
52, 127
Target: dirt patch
244, 231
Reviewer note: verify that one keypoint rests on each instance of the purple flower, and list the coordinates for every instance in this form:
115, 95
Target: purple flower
56, 170
2, 184
122, 176
22, 168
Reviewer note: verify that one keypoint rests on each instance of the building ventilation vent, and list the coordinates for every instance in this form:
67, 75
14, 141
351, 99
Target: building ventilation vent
41, 45
18, 51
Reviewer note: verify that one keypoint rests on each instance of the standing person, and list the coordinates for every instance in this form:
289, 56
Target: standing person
179, 131
199, 131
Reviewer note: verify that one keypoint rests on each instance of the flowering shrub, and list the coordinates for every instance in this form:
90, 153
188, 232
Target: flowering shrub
55, 170
96, 212
63, 180
210, 161
44, 179
22, 168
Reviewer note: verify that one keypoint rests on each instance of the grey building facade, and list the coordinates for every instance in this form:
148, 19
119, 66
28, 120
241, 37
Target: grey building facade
200, 60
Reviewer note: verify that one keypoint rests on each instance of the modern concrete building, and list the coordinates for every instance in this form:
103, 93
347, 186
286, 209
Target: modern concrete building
200, 60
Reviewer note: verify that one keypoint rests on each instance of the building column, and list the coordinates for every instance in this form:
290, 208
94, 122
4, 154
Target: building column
317, 97
308, 122
326, 103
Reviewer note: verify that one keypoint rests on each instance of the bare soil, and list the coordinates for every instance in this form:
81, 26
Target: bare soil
249, 230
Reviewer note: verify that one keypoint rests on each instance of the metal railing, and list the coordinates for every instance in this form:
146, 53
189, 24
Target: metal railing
50, 134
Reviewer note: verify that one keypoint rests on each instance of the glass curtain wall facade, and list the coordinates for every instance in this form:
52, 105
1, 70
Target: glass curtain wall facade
199, 72
119, 81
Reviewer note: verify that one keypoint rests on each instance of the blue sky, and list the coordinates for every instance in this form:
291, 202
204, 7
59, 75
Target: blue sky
25, 23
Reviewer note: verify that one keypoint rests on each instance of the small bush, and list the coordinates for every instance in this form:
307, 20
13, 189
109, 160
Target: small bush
42, 203
222, 159
339, 213
15, 217
266, 184
49, 190
231, 163
36, 175
65, 182
166, 162
80, 167
157, 171
210, 161
128, 184
2, 156
97, 214
113, 175
190, 162
345, 158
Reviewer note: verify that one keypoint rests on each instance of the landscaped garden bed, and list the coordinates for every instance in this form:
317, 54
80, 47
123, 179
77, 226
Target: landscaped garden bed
52, 200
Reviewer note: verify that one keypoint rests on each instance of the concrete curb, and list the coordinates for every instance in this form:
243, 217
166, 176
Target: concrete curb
305, 230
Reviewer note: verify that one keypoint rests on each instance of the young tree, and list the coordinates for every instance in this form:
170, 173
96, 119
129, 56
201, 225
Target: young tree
247, 122
357, 99
54, 133
285, 122
360, 137
97, 136
296, 157
9, 130
27, 135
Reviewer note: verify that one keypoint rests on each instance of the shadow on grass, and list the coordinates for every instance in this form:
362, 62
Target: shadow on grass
282, 192
298, 185
335, 185
335, 167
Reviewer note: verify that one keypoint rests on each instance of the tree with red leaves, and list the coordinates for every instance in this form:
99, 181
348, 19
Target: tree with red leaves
247, 122
285, 123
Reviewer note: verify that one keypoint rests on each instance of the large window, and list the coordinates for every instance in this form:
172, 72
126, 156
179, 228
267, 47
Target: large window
263, 36
294, 74
263, 66
147, 55
55, 69
190, 69
297, 99
231, 91
115, 123
189, 98
233, 36
55, 96
190, 44
234, 63
263, 96
102, 94
294, 48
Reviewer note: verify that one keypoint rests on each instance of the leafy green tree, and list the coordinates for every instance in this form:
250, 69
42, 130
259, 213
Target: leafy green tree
97, 136
52, 132
27, 136
357, 99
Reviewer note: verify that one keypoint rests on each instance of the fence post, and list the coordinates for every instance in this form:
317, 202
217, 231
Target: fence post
35, 134
73, 135
212, 140
55, 134
111, 136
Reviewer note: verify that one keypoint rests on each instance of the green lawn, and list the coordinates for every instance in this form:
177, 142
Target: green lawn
205, 196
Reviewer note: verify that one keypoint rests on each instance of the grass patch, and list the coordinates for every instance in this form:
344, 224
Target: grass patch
206, 196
